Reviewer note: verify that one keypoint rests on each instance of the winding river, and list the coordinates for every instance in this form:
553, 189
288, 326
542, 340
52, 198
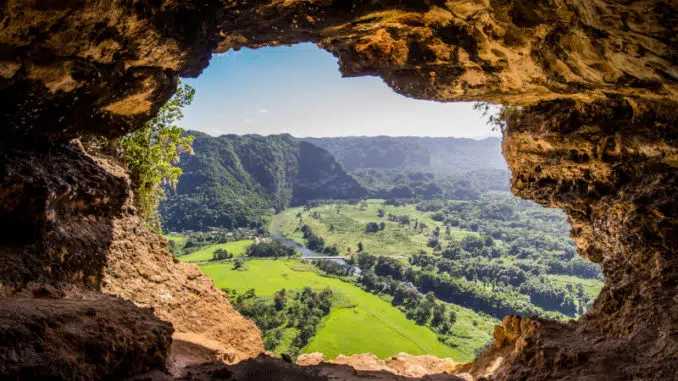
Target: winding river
277, 235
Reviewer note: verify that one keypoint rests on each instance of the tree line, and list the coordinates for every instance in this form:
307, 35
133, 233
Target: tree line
302, 310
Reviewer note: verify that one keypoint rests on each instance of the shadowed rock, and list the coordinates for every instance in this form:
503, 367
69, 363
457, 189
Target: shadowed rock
597, 139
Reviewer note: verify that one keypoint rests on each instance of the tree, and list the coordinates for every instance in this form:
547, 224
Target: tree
239, 264
273, 249
372, 227
421, 315
280, 300
438, 315
220, 254
498, 117
453, 317
152, 152
366, 261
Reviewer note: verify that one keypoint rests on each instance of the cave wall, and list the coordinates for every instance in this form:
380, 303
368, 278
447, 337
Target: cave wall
69, 224
612, 167
597, 78
76, 67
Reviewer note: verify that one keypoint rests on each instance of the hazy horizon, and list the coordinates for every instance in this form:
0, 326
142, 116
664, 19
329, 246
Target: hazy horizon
299, 90
352, 136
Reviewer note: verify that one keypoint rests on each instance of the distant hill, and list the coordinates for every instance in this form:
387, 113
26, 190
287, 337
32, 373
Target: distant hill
234, 181
439, 155
421, 167
403, 183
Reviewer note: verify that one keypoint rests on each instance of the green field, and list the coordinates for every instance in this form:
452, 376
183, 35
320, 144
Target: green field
237, 248
344, 227
592, 287
179, 239
359, 322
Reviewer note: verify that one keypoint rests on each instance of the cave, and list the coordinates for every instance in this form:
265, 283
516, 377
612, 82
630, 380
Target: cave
89, 293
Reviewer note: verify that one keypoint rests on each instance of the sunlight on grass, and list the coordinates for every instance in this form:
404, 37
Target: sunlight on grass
359, 322
344, 227
237, 248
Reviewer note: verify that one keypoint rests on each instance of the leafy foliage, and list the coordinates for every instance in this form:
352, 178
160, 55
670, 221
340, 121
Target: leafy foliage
238, 181
273, 249
301, 310
152, 152
498, 117
221, 254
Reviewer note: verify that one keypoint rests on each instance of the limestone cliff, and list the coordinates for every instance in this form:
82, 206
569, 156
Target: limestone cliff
103, 67
82, 235
597, 138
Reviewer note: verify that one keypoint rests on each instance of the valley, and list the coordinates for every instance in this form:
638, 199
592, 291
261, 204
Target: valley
356, 317
428, 258
497, 256
167, 167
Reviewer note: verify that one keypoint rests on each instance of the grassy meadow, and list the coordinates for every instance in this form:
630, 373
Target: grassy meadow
237, 248
592, 287
358, 322
344, 227
179, 239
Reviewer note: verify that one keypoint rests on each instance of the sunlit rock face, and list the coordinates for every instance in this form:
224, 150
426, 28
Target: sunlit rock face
518, 52
597, 138
75, 67
611, 166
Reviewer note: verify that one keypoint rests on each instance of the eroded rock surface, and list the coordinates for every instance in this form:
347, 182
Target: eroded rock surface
79, 335
103, 67
598, 139
402, 364
611, 166
68, 221
265, 368
140, 268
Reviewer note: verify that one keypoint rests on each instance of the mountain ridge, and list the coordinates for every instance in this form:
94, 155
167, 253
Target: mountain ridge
446, 155
238, 180
235, 181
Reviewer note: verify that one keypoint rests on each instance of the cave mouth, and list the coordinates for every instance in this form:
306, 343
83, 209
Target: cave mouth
596, 137
473, 233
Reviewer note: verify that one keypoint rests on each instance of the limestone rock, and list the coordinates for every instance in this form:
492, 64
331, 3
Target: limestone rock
597, 138
83, 336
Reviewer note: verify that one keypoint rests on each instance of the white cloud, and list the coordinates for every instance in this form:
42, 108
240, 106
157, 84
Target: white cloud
248, 120
263, 110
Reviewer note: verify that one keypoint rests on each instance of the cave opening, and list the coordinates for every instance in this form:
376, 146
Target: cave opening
437, 165
88, 292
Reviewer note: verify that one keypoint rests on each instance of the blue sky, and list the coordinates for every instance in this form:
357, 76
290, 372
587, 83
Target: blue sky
299, 90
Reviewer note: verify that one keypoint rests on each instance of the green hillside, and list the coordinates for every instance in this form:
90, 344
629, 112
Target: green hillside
236, 181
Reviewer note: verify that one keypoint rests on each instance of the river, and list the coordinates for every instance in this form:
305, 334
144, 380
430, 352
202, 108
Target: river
306, 252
